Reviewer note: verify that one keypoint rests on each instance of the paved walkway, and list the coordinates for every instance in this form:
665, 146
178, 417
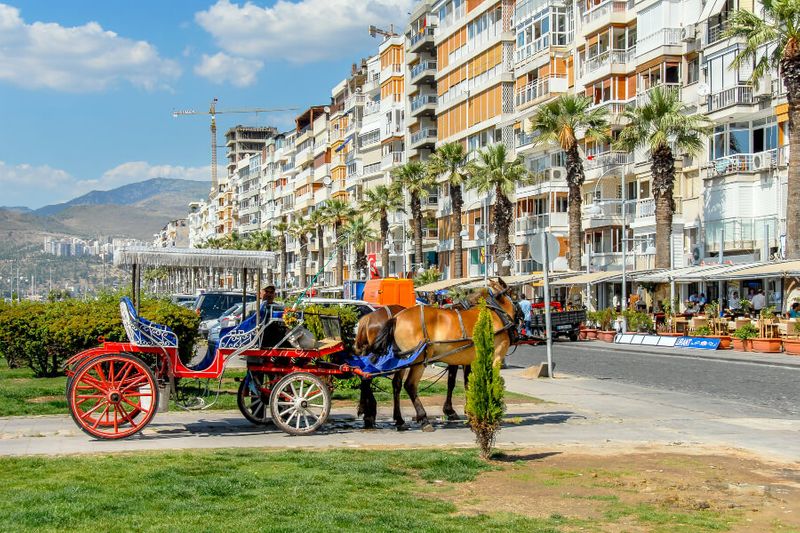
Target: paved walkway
580, 412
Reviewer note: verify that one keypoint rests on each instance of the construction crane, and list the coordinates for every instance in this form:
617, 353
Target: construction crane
213, 111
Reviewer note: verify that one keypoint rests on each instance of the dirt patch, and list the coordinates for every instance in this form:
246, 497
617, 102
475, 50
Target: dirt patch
45, 399
650, 491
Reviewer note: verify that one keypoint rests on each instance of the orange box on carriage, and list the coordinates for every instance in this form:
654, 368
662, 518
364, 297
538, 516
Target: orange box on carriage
390, 291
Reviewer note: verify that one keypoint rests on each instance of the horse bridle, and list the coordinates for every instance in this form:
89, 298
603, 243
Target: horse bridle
505, 318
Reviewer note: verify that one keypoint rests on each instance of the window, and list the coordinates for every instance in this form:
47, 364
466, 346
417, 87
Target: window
693, 71
562, 204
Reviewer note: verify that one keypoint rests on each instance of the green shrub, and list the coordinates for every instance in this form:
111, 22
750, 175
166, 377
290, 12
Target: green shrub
747, 331
703, 331
348, 319
43, 335
485, 405
605, 318
638, 320
797, 328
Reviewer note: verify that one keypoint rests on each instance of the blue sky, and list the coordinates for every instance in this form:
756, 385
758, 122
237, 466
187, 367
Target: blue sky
87, 88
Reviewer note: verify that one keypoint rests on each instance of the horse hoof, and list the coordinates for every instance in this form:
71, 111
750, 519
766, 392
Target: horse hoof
401, 427
452, 417
369, 424
427, 427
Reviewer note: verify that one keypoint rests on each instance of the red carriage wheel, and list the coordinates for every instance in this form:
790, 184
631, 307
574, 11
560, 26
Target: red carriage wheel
113, 396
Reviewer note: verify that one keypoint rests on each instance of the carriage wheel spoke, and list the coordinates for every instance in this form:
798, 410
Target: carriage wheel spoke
99, 418
97, 406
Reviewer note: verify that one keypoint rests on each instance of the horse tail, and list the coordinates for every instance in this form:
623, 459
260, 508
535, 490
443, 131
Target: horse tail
384, 339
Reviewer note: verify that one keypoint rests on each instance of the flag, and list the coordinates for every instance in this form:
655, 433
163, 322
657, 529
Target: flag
372, 260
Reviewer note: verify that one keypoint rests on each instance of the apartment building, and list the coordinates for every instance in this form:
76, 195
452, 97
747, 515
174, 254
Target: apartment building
175, 233
242, 141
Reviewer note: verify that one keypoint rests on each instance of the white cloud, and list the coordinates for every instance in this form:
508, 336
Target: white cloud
300, 32
221, 67
35, 186
44, 55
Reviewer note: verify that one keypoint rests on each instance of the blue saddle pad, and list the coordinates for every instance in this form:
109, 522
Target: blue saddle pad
388, 362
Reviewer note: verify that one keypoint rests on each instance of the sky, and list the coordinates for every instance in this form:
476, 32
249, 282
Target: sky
87, 88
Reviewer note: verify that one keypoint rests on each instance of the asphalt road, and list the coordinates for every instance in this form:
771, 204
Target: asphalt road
764, 386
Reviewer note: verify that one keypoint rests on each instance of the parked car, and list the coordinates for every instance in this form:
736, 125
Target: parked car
183, 299
227, 318
213, 303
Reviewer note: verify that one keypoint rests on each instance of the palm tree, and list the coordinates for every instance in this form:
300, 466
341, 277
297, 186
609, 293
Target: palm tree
414, 179
360, 234
772, 41
282, 228
494, 172
319, 220
662, 125
378, 203
263, 240
558, 123
336, 212
450, 160
300, 230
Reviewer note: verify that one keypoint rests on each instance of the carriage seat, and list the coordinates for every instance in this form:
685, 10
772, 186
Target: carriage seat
142, 332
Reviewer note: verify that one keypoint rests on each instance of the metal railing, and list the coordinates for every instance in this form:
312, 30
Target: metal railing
734, 163
353, 101
644, 98
540, 88
608, 159
370, 169
715, 32
742, 234
419, 36
739, 95
421, 135
524, 139
615, 107
663, 37
421, 67
372, 106
610, 57
532, 48
423, 100
393, 158
537, 223
605, 9
646, 207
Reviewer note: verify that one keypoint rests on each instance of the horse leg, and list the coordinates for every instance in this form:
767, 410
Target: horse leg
449, 412
411, 385
370, 406
397, 385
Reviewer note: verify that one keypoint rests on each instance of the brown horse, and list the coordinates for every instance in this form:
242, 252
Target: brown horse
447, 337
368, 328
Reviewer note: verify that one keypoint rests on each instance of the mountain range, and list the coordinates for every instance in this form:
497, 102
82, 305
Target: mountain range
137, 210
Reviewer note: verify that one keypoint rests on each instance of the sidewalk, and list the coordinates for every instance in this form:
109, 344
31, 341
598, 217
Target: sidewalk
582, 412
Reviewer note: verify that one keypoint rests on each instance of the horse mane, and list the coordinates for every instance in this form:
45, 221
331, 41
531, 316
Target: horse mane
384, 340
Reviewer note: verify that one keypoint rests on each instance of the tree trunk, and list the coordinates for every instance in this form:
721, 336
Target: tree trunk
339, 256
321, 241
361, 263
384, 240
790, 68
457, 201
503, 211
303, 259
575, 178
416, 213
663, 170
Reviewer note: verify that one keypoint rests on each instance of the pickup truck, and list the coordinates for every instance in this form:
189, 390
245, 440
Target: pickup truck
564, 323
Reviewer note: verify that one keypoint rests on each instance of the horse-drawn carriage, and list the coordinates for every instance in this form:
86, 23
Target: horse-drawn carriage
114, 390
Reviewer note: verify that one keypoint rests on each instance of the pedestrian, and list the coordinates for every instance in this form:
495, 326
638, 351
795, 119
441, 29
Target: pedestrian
794, 311
759, 301
735, 304
525, 307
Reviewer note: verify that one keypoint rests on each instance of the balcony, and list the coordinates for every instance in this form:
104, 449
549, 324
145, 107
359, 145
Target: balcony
423, 72
740, 95
352, 101
540, 89
535, 223
429, 202
736, 163
742, 234
608, 160
644, 211
608, 12
524, 139
609, 62
420, 40
424, 104
393, 159
446, 206
371, 169
715, 32
615, 109
371, 107
422, 137
525, 53
663, 37
644, 98
430, 234
395, 69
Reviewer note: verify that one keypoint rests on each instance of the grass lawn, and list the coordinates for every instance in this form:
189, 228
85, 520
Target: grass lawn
23, 394
376, 490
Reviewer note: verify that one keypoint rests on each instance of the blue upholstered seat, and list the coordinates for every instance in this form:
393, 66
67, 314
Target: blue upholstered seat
142, 332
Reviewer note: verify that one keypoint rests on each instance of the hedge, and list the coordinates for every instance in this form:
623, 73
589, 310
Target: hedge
43, 335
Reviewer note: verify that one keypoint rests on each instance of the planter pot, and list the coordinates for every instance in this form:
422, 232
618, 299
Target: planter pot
591, 334
791, 346
741, 345
724, 341
767, 345
606, 336
582, 334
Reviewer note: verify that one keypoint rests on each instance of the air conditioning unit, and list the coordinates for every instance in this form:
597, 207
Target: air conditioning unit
762, 162
557, 173
698, 253
688, 33
764, 88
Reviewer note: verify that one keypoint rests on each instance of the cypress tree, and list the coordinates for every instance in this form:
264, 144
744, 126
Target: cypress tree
485, 405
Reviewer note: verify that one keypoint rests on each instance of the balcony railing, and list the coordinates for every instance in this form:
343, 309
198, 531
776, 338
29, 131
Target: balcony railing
742, 234
423, 100
646, 207
354, 100
419, 36
610, 57
393, 158
615, 107
734, 163
421, 67
556, 83
608, 160
421, 135
663, 37
740, 95
605, 9
524, 139
542, 221
532, 48
371, 169
715, 32
644, 98
372, 106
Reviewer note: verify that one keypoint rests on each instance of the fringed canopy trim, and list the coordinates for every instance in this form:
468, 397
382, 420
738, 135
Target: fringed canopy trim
193, 257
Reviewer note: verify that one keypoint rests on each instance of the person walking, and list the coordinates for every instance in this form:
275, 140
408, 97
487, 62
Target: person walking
759, 301
525, 307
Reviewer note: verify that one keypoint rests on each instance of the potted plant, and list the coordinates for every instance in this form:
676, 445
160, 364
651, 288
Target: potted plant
746, 306
668, 327
765, 342
590, 331
638, 321
605, 320
792, 345
719, 326
743, 337
703, 331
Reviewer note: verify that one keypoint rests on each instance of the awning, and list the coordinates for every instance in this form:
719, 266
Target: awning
769, 270
193, 257
712, 7
711, 272
590, 278
444, 284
